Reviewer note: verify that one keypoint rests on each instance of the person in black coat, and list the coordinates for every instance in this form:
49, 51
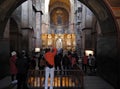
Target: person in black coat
22, 65
58, 59
65, 62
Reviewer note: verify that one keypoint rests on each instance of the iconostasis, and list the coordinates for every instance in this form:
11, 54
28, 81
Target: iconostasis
65, 41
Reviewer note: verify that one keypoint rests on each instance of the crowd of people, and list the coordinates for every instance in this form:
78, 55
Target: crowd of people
89, 63
19, 65
49, 59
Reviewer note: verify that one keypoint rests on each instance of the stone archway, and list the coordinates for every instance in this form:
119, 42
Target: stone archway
97, 6
6, 9
14, 35
107, 42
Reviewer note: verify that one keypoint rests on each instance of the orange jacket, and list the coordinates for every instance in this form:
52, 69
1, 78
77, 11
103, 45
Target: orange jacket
49, 56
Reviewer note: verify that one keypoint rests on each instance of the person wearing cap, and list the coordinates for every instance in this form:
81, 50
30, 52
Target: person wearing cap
13, 68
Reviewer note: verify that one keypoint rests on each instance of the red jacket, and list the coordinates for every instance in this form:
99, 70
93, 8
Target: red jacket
85, 60
49, 56
13, 68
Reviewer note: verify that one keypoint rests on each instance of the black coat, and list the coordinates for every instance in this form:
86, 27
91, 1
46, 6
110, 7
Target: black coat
22, 64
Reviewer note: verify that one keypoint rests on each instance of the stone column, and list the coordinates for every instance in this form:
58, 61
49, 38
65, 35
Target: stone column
27, 25
38, 24
26, 39
38, 29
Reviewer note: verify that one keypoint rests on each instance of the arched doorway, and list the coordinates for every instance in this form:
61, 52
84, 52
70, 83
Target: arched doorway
15, 43
107, 41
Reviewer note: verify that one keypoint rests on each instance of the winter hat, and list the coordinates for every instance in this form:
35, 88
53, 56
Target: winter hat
13, 53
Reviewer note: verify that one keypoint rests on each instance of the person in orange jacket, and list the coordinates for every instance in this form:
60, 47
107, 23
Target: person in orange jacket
49, 69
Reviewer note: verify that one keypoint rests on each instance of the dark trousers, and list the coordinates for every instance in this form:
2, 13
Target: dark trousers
13, 77
22, 81
84, 67
92, 69
58, 66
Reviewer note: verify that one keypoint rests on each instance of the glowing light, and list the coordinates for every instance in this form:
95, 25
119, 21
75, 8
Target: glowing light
87, 52
37, 49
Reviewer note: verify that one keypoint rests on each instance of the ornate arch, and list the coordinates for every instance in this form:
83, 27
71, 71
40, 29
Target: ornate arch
59, 3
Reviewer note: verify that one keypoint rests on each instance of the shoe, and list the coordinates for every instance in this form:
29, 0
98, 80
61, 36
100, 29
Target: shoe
14, 82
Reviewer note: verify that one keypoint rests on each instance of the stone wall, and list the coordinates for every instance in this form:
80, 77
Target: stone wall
4, 57
107, 59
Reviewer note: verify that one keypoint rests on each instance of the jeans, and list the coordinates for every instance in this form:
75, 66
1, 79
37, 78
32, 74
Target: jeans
49, 71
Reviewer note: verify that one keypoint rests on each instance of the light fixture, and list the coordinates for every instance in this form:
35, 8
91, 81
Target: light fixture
37, 49
87, 52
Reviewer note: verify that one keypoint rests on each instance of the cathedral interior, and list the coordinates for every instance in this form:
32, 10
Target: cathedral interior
76, 25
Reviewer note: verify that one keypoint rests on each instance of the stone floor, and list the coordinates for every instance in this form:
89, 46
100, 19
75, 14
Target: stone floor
5, 83
95, 82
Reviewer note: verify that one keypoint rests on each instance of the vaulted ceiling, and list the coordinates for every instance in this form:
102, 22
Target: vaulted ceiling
115, 7
59, 3
59, 11
8, 6
67, 2
114, 3
59, 16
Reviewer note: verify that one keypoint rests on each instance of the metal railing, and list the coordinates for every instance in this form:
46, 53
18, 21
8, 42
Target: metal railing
72, 78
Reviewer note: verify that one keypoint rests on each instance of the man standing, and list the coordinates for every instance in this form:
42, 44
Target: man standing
22, 65
49, 70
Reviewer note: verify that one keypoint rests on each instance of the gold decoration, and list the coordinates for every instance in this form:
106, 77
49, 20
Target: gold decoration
68, 36
49, 36
66, 41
